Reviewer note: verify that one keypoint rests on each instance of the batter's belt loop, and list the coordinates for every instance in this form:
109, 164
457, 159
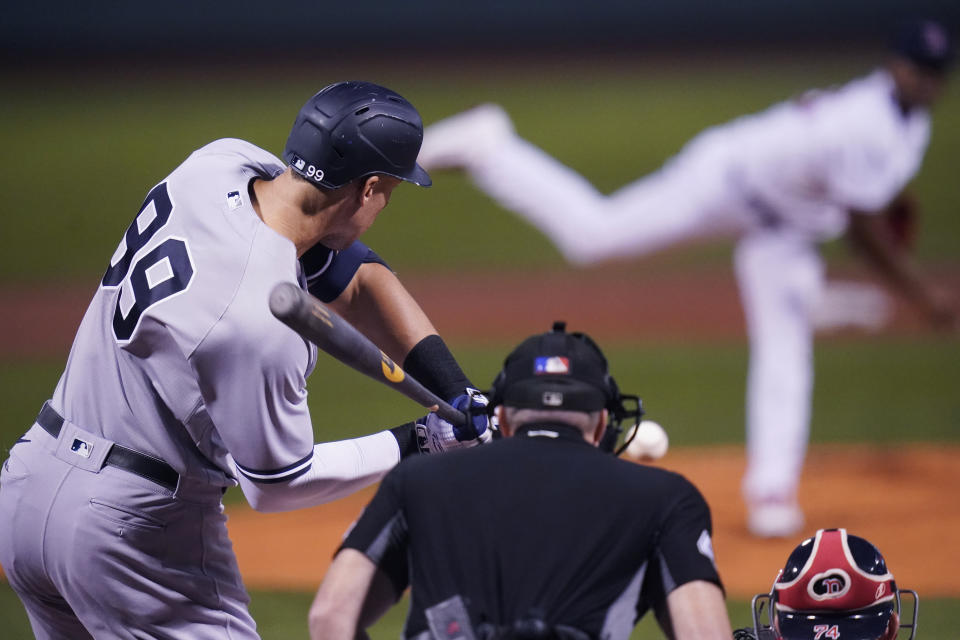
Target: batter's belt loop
121, 457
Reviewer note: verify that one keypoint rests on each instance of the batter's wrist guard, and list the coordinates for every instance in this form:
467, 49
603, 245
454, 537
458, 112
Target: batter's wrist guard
432, 365
406, 436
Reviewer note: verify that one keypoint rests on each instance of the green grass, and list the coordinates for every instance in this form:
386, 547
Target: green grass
864, 390
283, 614
82, 148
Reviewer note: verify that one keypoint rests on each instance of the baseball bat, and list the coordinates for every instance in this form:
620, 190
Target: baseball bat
320, 325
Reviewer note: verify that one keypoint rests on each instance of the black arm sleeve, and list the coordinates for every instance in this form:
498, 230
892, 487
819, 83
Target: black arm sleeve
432, 365
328, 272
406, 439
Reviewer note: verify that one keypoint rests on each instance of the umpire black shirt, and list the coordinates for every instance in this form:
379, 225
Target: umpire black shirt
541, 525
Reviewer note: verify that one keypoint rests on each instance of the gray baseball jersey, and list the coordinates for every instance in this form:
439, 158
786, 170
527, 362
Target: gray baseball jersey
190, 365
180, 373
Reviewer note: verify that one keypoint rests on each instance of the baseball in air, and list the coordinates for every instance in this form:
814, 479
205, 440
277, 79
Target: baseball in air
649, 443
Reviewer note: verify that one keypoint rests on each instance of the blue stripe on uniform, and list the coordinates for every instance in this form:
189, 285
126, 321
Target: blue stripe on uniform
283, 474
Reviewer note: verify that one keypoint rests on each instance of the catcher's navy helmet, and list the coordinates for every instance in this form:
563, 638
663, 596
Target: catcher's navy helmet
834, 586
350, 130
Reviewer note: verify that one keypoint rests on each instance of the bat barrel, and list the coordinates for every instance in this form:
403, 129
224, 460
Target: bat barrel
335, 336
285, 300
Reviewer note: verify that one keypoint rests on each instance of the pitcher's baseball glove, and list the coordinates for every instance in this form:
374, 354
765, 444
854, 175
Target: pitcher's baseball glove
903, 218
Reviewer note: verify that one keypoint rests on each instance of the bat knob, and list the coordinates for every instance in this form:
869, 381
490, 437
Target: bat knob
284, 300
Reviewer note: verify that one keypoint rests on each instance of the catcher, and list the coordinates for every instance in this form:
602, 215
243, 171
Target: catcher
835, 586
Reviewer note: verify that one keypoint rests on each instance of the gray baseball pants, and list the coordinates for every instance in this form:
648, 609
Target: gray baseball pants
104, 553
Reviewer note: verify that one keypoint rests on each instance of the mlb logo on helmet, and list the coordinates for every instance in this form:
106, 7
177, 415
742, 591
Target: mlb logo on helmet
553, 365
935, 38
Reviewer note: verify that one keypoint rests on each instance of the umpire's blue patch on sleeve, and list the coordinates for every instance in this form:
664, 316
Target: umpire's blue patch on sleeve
329, 272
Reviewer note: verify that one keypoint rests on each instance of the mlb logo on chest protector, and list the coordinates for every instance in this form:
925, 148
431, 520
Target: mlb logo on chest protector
81, 448
551, 365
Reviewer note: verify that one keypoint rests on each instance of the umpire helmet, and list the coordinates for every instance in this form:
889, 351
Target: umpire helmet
834, 585
566, 372
350, 130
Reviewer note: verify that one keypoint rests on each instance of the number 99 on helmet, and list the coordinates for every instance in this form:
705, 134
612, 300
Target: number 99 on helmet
351, 130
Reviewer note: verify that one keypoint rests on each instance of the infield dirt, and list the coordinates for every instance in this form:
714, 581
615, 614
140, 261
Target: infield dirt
893, 497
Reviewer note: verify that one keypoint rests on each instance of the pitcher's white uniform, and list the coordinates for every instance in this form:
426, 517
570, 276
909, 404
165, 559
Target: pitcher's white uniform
179, 359
782, 180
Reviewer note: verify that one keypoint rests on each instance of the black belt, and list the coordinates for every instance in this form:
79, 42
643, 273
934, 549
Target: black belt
119, 456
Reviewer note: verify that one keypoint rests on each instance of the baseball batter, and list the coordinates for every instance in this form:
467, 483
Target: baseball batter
180, 383
782, 181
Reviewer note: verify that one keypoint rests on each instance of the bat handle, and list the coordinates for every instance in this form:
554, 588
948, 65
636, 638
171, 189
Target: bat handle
450, 413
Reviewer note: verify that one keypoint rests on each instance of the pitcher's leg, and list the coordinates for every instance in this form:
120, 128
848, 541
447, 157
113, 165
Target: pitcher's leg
666, 207
780, 278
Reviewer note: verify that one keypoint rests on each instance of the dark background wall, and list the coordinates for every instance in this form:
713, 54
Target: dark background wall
66, 30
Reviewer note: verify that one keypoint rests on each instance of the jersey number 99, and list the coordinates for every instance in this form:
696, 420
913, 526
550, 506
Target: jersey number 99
153, 276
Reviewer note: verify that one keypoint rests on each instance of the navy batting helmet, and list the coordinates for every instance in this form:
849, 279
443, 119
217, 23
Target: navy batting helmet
834, 586
350, 130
